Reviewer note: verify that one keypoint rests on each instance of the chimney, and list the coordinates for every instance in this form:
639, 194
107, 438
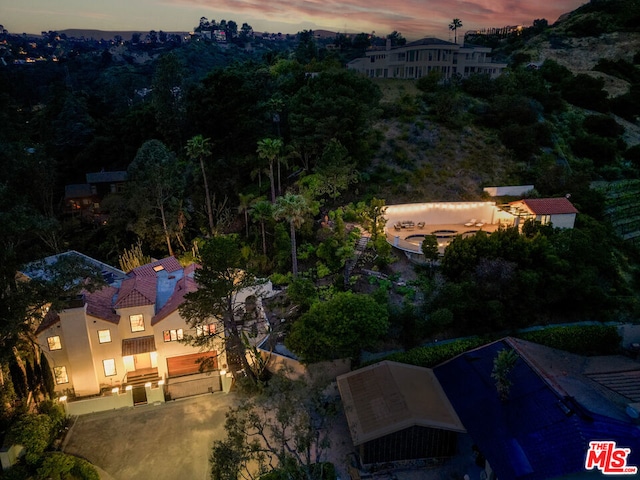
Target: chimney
388, 45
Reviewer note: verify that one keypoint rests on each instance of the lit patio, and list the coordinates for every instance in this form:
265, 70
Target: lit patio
407, 224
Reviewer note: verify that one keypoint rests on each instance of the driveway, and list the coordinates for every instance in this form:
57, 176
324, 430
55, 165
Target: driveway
167, 441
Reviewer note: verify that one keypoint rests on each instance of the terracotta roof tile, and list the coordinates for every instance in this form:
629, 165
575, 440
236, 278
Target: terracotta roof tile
549, 206
183, 286
100, 304
170, 264
137, 291
49, 320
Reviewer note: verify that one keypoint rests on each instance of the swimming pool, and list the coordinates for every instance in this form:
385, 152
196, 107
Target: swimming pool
417, 239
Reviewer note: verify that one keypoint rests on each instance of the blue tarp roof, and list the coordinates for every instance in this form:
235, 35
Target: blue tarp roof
536, 433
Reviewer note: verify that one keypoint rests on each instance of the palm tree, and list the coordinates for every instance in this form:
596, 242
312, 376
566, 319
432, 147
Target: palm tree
245, 203
455, 24
261, 211
292, 208
198, 148
503, 363
269, 149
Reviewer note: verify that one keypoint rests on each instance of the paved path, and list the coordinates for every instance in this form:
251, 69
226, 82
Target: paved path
163, 442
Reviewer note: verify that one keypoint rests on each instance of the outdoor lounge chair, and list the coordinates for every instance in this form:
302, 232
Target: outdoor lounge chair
480, 223
470, 223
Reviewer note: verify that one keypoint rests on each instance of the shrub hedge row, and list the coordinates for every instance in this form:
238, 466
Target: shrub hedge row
579, 339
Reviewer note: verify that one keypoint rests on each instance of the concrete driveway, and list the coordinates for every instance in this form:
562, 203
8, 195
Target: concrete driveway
163, 442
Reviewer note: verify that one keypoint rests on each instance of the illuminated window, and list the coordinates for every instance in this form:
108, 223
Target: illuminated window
109, 367
173, 335
137, 323
54, 343
203, 330
104, 336
60, 374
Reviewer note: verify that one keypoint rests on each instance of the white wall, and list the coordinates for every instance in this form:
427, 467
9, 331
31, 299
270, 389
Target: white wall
441, 213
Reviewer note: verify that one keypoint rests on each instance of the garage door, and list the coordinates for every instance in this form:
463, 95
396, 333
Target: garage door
189, 364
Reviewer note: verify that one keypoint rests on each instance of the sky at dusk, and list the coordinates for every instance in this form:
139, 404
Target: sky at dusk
413, 18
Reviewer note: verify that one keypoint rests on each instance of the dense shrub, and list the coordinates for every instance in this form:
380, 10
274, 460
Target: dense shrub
602, 125
586, 92
599, 149
579, 339
55, 466
431, 356
84, 470
619, 68
34, 432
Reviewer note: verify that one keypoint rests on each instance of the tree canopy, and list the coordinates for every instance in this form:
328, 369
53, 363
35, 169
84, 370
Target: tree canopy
338, 328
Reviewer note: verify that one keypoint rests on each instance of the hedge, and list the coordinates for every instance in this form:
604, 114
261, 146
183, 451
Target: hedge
579, 339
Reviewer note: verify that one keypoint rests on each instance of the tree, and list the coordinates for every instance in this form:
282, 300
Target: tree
503, 363
244, 207
262, 211
167, 98
133, 258
269, 149
373, 217
292, 208
338, 328
282, 433
199, 148
455, 24
430, 248
222, 280
155, 184
397, 39
334, 173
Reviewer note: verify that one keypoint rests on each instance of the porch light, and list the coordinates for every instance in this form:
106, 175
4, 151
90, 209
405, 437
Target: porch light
129, 388
223, 373
63, 398
115, 390
147, 385
160, 383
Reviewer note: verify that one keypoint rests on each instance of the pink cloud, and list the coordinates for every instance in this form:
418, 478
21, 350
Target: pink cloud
411, 17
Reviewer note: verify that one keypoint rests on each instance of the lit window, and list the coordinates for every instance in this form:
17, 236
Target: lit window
54, 343
104, 336
60, 374
109, 367
173, 335
137, 323
203, 330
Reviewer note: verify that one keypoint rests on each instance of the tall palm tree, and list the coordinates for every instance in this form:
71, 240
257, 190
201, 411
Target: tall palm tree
292, 208
455, 24
261, 211
269, 149
245, 203
199, 148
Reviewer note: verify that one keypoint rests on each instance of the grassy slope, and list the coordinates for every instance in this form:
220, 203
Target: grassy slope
423, 160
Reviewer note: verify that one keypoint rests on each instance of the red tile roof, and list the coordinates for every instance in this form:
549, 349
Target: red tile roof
549, 206
100, 304
170, 264
49, 320
137, 291
183, 286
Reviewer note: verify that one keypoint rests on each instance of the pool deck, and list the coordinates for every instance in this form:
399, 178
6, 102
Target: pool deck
407, 246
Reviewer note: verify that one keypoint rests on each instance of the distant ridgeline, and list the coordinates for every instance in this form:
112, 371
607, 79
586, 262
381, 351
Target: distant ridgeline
622, 206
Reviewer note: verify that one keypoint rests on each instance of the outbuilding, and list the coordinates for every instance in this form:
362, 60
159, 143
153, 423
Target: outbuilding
398, 412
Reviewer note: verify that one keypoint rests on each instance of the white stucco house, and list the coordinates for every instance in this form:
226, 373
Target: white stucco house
558, 212
422, 57
129, 332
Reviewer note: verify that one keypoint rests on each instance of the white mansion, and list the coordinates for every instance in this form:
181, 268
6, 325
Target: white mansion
418, 59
